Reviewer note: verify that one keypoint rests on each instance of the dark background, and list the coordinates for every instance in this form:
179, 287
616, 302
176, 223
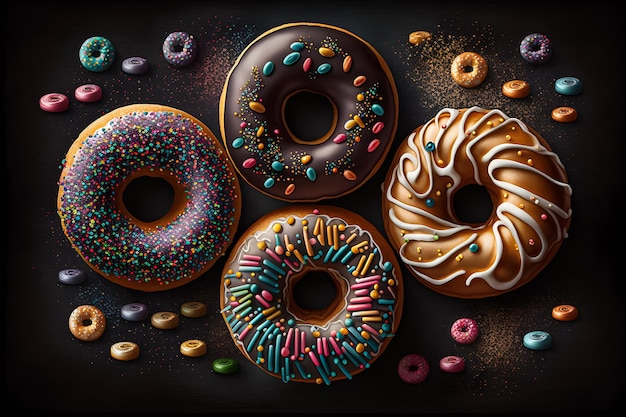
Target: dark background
48, 371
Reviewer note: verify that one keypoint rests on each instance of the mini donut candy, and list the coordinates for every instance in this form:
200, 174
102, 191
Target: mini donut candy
568, 86
179, 49
516, 89
565, 312
464, 330
469, 69
72, 276
54, 102
452, 364
88, 93
135, 65
87, 323
419, 36
96, 54
164, 320
225, 366
124, 351
193, 348
135, 312
537, 340
413, 368
564, 114
193, 309
536, 48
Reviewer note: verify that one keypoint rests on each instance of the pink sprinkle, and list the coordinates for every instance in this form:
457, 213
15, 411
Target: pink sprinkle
314, 359
340, 138
276, 131
243, 124
378, 126
252, 257
336, 347
272, 254
357, 300
531, 242
306, 66
243, 334
373, 145
359, 307
262, 301
544, 216
267, 295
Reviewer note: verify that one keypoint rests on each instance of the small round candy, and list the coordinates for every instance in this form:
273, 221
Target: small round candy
419, 36
464, 330
125, 351
537, 340
568, 85
225, 366
72, 276
88, 93
536, 48
96, 54
193, 348
179, 49
135, 312
54, 102
564, 114
516, 89
452, 364
565, 312
164, 320
135, 65
193, 309
413, 368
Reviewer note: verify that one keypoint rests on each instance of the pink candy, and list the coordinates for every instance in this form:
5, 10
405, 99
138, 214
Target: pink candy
54, 102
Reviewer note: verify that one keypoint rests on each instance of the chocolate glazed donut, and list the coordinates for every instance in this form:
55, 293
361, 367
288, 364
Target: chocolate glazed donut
277, 156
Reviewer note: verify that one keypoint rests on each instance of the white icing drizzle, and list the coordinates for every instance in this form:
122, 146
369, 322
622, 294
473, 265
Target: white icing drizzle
442, 229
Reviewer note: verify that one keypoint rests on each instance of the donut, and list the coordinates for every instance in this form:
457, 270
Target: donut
179, 49
96, 54
160, 143
413, 368
308, 112
536, 48
312, 333
464, 331
469, 69
87, 323
524, 178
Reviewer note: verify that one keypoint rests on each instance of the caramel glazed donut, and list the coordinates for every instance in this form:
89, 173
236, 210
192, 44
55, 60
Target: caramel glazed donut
316, 344
149, 140
527, 184
321, 60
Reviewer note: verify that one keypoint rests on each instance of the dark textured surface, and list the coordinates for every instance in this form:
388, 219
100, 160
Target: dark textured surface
48, 371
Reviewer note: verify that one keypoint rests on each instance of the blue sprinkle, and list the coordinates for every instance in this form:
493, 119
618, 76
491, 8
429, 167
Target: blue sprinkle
292, 58
268, 68
378, 110
324, 68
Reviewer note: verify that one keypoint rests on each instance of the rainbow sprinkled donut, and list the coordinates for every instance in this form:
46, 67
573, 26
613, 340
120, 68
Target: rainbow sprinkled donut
536, 48
148, 140
296, 341
330, 65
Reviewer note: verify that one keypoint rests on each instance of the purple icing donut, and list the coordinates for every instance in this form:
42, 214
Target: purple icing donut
536, 48
413, 368
179, 49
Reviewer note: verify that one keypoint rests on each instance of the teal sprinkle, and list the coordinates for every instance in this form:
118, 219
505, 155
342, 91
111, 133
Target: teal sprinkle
473, 248
324, 68
268, 68
292, 58
378, 110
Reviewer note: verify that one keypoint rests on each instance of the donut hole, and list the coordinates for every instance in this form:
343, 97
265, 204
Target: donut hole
472, 204
148, 198
468, 68
316, 296
94, 54
310, 117
86, 322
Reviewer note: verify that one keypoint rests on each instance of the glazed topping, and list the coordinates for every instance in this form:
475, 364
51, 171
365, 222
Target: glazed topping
325, 61
290, 342
117, 245
487, 148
